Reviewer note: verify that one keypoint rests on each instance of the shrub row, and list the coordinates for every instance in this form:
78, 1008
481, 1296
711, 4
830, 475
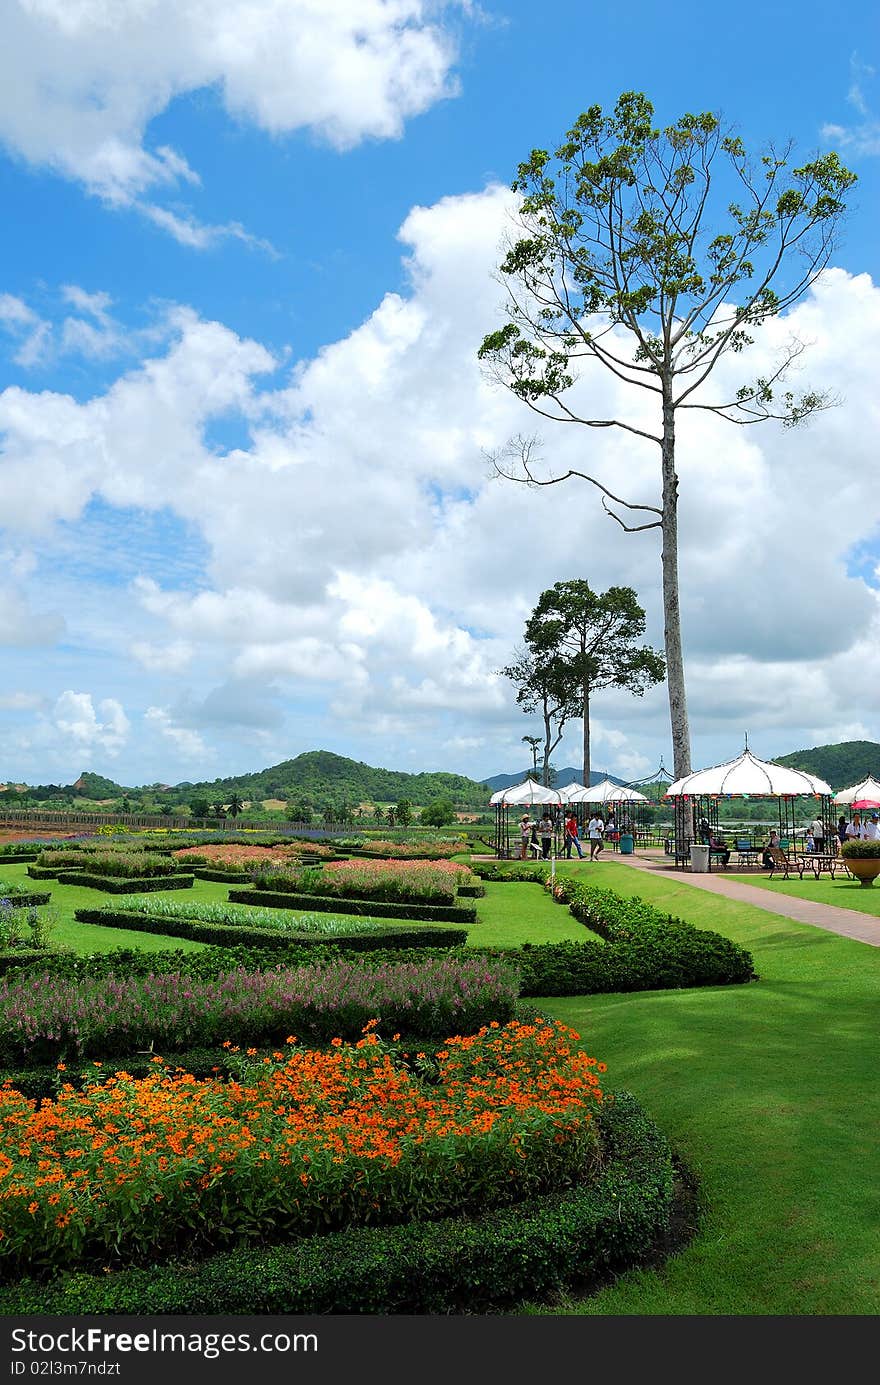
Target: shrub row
645, 950
12, 858
43, 872
14, 957
469, 1264
23, 901
471, 891
234, 934
116, 885
431, 913
487, 870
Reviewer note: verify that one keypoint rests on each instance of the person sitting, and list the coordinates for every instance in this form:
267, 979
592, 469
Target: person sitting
773, 843
718, 846
703, 833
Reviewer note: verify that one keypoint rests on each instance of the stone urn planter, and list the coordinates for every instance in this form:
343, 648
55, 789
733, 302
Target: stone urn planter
864, 868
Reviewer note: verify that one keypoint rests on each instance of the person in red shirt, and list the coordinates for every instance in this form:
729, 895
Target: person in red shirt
571, 836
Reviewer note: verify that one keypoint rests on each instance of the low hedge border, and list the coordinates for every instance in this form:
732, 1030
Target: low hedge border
24, 901
114, 884
239, 934
15, 957
509, 872
45, 872
17, 858
457, 1264
376, 908
471, 891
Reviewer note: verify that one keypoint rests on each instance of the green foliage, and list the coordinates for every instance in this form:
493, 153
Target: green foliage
440, 812
381, 908
842, 765
859, 850
232, 935
456, 1264
111, 884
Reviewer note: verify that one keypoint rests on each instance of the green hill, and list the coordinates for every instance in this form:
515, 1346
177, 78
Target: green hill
320, 775
842, 765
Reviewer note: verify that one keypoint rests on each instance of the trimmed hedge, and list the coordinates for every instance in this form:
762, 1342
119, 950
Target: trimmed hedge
114, 884
240, 934
24, 901
457, 1264
376, 908
471, 891
13, 858
25, 957
501, 873
44, 872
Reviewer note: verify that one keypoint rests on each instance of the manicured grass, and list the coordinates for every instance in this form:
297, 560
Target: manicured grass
513, 914
770, 1094
845, 893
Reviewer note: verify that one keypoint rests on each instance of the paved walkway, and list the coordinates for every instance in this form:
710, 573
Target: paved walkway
849, 923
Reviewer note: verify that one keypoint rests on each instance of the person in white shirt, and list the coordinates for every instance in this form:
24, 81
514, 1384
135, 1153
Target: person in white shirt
872, 829
817, 827
595, 828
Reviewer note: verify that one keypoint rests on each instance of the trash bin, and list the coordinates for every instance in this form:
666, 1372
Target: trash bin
699, 856
627, 844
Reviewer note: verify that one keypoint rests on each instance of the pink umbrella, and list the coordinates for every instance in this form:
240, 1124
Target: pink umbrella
862, 803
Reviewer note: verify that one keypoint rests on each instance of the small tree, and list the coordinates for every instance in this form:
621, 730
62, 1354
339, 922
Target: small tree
544, 686
199, 807
617, 266
404, 812
235, 805
440, 812
534, 743
595, 637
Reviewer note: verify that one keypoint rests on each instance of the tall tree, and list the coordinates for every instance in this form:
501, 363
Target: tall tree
544, 686
595, 636
235, 805
619, 264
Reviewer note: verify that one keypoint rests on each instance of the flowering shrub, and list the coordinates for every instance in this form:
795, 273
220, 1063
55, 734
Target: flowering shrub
132, 863
424, 882
435, 846
24, 927
236, 856
302, 1143
45, 1017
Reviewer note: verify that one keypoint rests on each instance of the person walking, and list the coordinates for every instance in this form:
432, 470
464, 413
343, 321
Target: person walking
571, 837
545, 831
817, 827
525, 833
595, 828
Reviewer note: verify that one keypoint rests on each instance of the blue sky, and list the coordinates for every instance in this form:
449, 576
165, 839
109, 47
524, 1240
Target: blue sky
246, 266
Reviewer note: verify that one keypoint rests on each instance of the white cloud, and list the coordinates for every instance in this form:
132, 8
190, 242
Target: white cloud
22, 626
105, 728
80, 80
21, 701
185, 742
862, 138
163, 658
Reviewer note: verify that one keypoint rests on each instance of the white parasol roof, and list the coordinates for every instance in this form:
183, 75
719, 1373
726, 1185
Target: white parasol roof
747, 775
868, 788
573, 793
527, 792
604, 792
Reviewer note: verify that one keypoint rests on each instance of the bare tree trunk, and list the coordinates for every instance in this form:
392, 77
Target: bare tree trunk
548, 737
586, 693
678, 716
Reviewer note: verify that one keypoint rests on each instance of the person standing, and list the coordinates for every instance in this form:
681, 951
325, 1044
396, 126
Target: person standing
545, 830
841, 829
817, 827
525, 833
872, 828
810, 840
571, 837
595, 828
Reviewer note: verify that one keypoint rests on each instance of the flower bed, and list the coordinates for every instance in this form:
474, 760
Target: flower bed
218, 911
460, 1264
45, 1017
235, 856
393, 882
309, 1142
426, 849
284, 899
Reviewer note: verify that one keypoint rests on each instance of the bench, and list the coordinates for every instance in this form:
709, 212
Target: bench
782, 862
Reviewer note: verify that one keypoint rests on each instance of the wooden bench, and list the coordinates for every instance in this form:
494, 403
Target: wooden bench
783, 863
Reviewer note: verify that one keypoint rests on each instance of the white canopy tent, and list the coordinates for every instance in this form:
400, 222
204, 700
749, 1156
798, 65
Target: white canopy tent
696, 795
527, 795
605, 792
868, 788
748, 776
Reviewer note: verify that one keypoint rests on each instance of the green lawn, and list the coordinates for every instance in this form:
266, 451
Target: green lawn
770, 1094
513, 914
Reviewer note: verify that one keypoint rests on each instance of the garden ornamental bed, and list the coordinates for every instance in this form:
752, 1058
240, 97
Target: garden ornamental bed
304, 1142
